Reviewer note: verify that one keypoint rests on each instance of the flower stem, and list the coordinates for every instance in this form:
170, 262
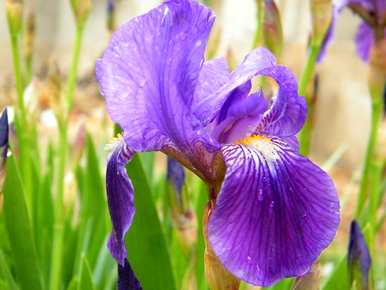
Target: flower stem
71, 81
17, 73
22, 125
57, 249
307, 75
376, 117
258, 40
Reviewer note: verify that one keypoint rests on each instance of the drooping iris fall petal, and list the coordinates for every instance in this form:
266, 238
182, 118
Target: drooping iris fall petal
126, 278
275, 213
120, 196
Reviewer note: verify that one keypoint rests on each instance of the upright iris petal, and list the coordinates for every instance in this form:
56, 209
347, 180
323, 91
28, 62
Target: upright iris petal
149, 72
274, 211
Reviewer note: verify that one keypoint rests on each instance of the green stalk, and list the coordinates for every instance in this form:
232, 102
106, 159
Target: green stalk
57, 248
18, 75
307, 75
258, 40
71, 81
21, 117
376, 118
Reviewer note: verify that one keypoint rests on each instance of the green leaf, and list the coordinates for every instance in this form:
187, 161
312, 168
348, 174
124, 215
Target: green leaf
104, 267
93, 202
145, 241
5, 272
85, 281
202, 199
338, 279
73, 284
20, 230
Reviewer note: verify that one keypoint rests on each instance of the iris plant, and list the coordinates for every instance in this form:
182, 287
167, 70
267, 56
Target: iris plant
272, 211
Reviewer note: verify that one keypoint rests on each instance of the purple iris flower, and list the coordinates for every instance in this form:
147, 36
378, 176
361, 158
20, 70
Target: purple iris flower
274, 210
364, 38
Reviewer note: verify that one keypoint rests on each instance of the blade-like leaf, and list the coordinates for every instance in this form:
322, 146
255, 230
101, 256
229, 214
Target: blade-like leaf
338, 279
202, 199
85, 281
5, 273
20, 232
145, 241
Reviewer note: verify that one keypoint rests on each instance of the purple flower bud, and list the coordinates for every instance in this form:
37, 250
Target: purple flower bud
359, 260
3, 136
176, 176
4, 140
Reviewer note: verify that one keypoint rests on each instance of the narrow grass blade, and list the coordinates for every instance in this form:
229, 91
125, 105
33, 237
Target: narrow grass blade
85, 281
5, 273
145, 241
20, 231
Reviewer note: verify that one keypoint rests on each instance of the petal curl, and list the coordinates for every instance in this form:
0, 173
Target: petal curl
253, 63
239, 115
275, 213
120, 196
288, 111
149, 72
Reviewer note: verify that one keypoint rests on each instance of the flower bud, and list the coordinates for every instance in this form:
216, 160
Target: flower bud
321, 13
183, 217
273, 33
111, 11
14, 10
359, 260
81, 10
4, 140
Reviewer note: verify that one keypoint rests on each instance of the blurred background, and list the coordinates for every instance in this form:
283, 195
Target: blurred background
343, 108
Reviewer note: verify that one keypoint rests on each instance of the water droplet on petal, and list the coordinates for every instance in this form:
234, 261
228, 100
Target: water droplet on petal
260, 196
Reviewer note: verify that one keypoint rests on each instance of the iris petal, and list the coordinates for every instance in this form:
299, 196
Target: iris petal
364, 40
275, 213
253, 63
120, 195
288, 111
150, 70
126, 278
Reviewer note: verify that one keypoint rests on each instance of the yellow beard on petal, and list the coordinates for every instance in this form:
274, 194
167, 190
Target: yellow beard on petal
263, 144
